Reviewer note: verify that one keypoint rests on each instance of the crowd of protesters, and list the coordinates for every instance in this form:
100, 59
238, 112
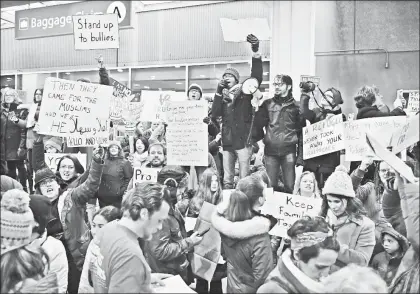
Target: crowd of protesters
93, 230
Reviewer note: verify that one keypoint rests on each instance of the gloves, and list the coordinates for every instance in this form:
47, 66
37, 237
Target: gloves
220, 86
255, 43
206, 120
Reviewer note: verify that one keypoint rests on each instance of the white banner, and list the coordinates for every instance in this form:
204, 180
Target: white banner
287, 209
153, 104
186, 134
413, 101
52, 159
96, 31
355, 134
75, 110
323, 137
145, 174
406, 136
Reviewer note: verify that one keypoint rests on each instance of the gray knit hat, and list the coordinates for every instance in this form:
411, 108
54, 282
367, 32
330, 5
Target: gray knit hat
232, 71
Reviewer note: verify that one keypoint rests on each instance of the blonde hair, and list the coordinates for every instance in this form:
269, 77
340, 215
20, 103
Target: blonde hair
366, 90
355, 279
317, 192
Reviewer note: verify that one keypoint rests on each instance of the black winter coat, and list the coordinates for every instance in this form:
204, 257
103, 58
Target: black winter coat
373, 111
14, 135
237, 115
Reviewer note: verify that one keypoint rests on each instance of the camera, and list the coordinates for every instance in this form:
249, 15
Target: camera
307, 86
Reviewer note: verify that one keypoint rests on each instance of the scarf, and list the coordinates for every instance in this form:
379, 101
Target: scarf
233, 93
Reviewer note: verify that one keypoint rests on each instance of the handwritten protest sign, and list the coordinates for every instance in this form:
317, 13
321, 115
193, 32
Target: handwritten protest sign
406, 136
154, 102
390, 158
355, 134
413, 101
145, 174
323, 137
186, 134
236, 30
288, 209
119, 100
75, 110
52, 159
95, 31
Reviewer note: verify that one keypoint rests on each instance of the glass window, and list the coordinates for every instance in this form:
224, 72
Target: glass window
8, 82
160, 79
28, 83
120, 75
92, 76
208, 76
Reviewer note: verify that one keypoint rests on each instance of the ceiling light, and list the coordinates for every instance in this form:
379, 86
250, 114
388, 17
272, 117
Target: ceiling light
67, 73
177, 66
120, 70
9, 79
266, 73
6, 85
179, 83
202, 76
136, 85
152, 77
146, 87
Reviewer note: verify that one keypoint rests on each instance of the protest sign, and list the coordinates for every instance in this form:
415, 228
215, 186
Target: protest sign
206, 254
406, 136
382, 128
52, 159
154, 102
75, 110
31, 116
393, 161
288, 209
186, 134
173, 284
96, 31
411, 98
236, 30
145, 174
119, 100
323, 137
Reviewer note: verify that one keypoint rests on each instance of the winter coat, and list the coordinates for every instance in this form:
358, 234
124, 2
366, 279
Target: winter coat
373, 111
15, 135
391, 207
248, 256
287, 278
326, 163
72, 210
386, 264
3, 124
407, 277
357, 240
116, 175
237, 115
7, 183
47, 284
167, 251
282, 124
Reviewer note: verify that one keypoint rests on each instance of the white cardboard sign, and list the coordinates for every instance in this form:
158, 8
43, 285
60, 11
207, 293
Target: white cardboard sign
406, 136
145, 174
52, 159
96, 31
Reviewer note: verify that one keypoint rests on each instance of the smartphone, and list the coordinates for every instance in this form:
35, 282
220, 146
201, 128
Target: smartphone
203, 232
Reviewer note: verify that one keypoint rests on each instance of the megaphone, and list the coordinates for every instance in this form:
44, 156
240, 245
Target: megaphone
250, 86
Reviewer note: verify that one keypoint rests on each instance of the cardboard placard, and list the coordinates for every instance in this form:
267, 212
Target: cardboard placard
145, 174
52, 159
406, 136
390, 158
288, 208
236, 30
75, 110
152, 109
323, 137
186, 134
382, 128
96, 31
120, 99
411, 98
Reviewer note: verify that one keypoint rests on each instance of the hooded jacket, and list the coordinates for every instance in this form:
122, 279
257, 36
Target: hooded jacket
386, 264
247, 252
282, 123
237, 115
116, 175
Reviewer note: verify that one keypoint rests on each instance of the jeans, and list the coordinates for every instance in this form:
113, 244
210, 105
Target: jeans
287, 163
12, 165
229, 160
202, 287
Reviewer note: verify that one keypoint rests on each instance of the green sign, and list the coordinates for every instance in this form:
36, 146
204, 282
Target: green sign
57, 20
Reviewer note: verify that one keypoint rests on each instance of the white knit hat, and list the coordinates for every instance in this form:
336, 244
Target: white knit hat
339, 183
17, 220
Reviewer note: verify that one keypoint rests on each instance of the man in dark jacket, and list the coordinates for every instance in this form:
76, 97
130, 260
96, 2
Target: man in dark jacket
281, 119
236, 110
367, 110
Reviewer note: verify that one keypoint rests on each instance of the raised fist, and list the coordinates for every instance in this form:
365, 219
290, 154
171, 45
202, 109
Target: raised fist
255, 43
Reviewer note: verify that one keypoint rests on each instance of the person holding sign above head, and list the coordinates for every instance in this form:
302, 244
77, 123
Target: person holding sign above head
116, 175
313, 251
69, 207
236, 110
346, 215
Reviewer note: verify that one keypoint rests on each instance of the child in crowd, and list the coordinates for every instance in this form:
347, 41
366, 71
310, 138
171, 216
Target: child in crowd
53, 145
388, 261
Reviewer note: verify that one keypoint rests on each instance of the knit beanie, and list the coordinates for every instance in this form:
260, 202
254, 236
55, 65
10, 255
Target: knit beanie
117, 143
55, 142
232, 71
17, 220
339, 183
41, 209
43, 174
196, 87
